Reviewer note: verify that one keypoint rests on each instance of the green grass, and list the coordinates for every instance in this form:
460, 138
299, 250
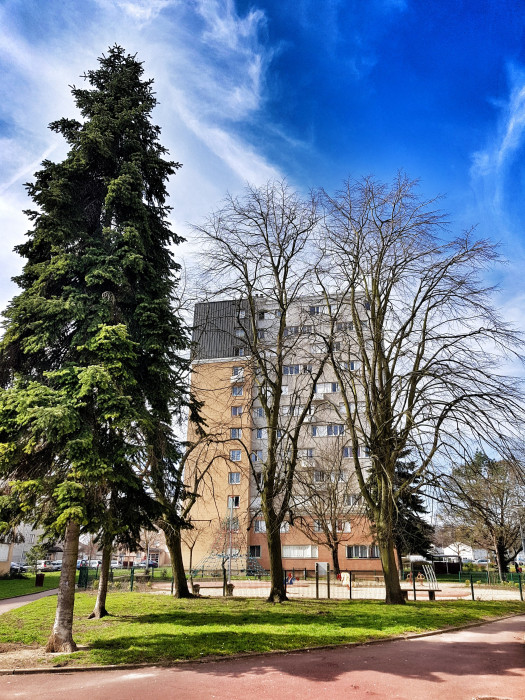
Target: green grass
145, 628
22, 586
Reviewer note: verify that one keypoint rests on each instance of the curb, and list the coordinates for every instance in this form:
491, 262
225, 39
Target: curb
254, 654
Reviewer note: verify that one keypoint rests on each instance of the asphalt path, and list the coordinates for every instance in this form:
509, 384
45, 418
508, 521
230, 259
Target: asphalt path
481, 662
12, 603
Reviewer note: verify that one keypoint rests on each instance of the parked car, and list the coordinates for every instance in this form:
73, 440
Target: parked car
45, 565
17, 568
57, 565
115, 564
150, 565
82, 562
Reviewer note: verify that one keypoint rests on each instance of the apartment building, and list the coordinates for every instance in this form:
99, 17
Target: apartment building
233, 386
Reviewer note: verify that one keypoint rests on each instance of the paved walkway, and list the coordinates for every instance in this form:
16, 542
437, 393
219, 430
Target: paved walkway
483, 662
13, 603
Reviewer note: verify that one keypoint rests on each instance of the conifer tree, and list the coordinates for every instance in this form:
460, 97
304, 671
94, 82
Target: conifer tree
89, 362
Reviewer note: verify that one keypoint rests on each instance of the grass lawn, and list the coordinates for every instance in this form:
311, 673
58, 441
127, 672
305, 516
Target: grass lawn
21, 586
145, 628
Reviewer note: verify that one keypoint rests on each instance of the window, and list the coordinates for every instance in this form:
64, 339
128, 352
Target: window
233, 501
291, 330
366, 304
259, 526
291, 410
238, 352
259, 433
343, 526
326, 387
238, 333
261, 316
284, 390
357, 551
309, 452
374, 553
364, 452
306, 329
237, 390
242, 313
307, 369
353, 499
258, 412
258, 479
335, 429
279, 433
235, 455
236, 410
291, 369
234, 478
257, 456
348, 452
319, 476
318, 526
255, 551
315, 310
340, 476
285, 527
236, 371
235, 433
346, 326
261, 334
300, 551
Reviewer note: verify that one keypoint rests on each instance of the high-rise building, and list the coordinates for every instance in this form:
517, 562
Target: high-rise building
233, 389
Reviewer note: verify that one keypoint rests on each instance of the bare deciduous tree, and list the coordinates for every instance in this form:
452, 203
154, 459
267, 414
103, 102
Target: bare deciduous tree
258, 248
485, 499
327, 498
425, 353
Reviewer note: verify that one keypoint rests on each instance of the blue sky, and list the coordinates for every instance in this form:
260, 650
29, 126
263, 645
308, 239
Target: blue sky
312, 90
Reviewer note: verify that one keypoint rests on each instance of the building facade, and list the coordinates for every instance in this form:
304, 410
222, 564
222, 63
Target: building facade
325, 508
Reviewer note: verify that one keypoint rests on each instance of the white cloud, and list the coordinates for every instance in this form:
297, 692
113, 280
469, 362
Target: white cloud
209, 64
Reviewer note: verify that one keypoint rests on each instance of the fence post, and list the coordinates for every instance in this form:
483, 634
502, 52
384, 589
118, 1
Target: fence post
328, 581
413, 581
350, 585
285, 582
472, 586
520, 587
172, 584
131, 577
305, 573
316, 580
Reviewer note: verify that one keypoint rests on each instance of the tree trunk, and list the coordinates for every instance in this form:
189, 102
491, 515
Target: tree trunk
335, 559
277, 587
100, 606
61, 639
174, 544
394, 594
499, 546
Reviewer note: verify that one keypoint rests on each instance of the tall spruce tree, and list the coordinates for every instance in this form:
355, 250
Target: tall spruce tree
89, 363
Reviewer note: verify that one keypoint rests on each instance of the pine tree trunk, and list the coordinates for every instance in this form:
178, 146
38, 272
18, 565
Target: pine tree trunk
277, 587
100, 606
61, 639
174, 544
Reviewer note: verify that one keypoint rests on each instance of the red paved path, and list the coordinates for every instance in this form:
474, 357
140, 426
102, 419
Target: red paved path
483, 662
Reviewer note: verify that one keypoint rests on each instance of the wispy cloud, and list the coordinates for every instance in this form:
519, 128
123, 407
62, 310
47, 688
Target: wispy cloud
490, 165
209, 63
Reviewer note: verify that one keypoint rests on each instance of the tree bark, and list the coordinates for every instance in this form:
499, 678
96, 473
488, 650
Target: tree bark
61, 639
277, 587
394, 594
100, 606
501, 558
174, 544
335, 559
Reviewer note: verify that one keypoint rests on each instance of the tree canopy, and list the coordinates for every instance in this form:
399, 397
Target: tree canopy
90, 361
